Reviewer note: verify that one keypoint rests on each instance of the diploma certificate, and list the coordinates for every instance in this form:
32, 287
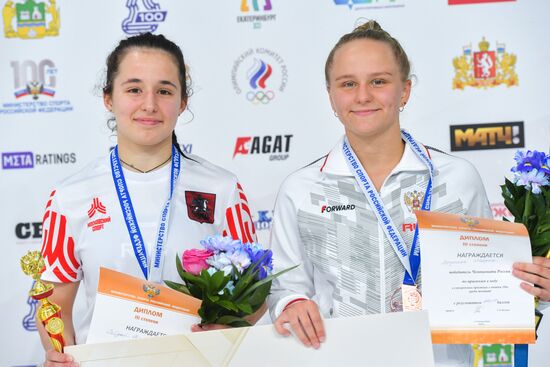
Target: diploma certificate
129, 308
467, 282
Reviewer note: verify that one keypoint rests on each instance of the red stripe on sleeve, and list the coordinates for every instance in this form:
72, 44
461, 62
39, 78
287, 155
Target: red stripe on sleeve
60, 276
241, 224
54, 245
231, 223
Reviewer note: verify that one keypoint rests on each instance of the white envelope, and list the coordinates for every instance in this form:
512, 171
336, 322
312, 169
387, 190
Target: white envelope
390, 340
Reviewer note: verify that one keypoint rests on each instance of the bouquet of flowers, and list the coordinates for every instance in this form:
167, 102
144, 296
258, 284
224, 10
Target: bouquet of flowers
527, 197
231, 278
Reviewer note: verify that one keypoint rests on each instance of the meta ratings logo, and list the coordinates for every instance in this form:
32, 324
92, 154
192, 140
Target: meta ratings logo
263, 220
256, 12
485, 68
28, 160
487, 136
34, 88
143, 16
277, 147
369, 4
259, 74
30, 19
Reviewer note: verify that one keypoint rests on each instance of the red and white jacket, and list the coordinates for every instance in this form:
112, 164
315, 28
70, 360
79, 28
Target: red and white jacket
84, 227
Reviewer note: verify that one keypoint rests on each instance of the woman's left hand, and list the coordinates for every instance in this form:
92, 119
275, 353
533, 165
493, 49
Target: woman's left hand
536, 273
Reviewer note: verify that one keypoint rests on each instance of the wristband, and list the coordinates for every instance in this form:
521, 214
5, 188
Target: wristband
294, 301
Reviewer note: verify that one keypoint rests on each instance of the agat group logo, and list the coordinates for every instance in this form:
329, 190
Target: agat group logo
276, 146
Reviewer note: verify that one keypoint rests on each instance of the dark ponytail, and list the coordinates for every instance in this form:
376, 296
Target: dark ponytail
176, 144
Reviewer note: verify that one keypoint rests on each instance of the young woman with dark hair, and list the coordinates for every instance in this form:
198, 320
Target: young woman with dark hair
109, 214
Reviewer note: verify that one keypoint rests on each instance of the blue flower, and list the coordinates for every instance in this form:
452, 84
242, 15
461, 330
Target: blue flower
263, 259
218, 244
226, 261
532, 180
531, 160
240, 259
545, 166
221, 261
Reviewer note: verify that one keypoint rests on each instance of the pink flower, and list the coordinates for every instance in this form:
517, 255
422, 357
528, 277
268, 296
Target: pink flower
194, 261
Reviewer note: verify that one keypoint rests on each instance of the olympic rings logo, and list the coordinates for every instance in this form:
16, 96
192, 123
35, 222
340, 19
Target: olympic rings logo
260, 96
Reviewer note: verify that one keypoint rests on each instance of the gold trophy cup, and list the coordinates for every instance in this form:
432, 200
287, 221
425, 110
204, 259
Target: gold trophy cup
49, 313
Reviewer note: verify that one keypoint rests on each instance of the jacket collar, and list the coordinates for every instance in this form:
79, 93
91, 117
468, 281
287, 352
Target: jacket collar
335, 163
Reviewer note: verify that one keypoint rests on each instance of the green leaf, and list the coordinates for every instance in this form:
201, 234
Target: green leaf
217, 281
263, 281
213, 297
257, 298
539, 205
178, 287
179, 266
210, 312
204, 274
243, 283
232, 321
228, 305
196, 291
245, 307
512, 189
544, 223
201, 314
197, 280
540, 244
546, 193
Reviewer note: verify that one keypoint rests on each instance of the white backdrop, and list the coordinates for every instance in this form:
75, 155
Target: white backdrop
46, 139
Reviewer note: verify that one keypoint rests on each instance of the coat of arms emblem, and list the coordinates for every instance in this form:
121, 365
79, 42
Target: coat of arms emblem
413, 200
30, 19
469, 221
150, 290
485, 68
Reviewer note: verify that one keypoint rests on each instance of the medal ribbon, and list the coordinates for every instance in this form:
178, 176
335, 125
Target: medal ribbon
521, 352
130, 219
411, 262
